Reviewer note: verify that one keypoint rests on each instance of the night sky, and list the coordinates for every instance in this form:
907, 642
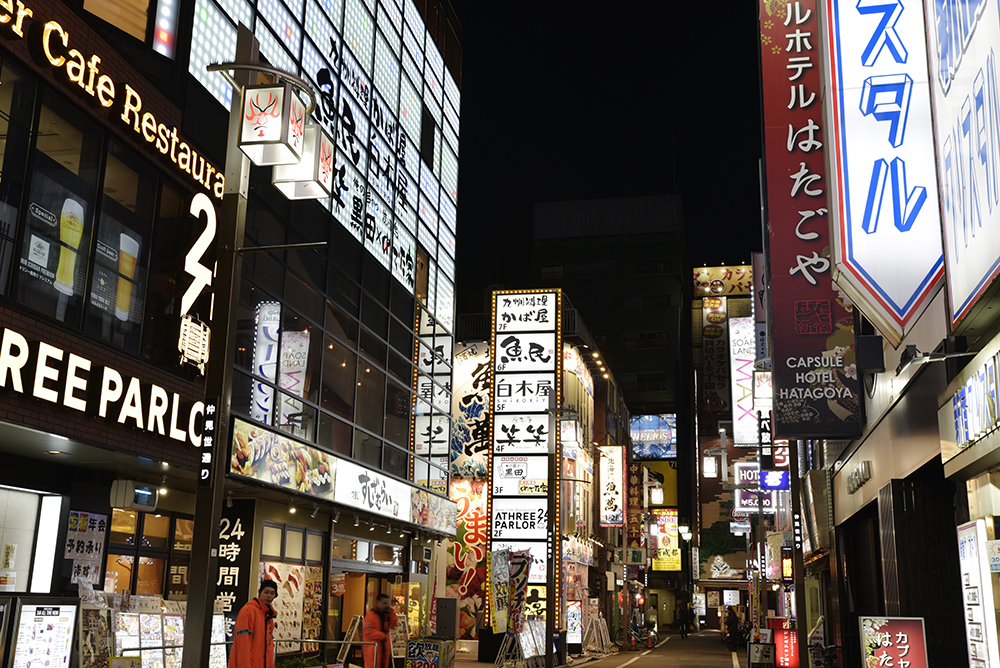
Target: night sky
585, 101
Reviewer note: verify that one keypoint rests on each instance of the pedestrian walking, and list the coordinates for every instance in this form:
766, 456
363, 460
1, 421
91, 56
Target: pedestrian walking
376, 627
253, 635
684, 619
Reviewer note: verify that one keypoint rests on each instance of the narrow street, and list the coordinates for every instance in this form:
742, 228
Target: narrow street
703, 649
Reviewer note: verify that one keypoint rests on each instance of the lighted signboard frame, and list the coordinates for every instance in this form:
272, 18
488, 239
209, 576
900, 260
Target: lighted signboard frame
883, 181
964, 79
526, 313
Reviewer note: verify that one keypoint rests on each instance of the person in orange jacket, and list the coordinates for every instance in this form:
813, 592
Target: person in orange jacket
376, 627
253, 635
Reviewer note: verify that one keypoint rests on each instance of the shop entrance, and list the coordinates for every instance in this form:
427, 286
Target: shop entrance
354, 595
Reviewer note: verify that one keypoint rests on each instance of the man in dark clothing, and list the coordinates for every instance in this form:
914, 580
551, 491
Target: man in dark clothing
684, 619
253, 635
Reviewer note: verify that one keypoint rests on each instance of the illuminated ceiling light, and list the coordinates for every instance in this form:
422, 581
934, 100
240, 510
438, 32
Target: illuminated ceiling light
272, 125
163, 486
606, 375
165, 464
336, 516
388, 528
371, 526
355, 519
54, 452
291, 505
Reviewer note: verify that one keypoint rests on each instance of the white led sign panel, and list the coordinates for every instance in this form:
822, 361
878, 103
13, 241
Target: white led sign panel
520, 475
378, 230
445, 307
272, 49
963, 39
524, 392
367, 86
431, 434
741, 359
349, 197
883, 182
525, 352
386, 74
531, 312
352, 132
359, 32
521, 434
525, 519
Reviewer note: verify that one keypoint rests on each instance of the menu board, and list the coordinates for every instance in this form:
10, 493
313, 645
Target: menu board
95, 637
126, 632
159, 638
312, 607
44, 630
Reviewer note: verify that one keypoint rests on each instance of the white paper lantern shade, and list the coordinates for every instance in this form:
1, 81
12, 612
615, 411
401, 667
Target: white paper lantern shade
311, 177
272, 126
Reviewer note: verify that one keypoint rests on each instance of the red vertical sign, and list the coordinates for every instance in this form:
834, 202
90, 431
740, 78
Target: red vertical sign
812, 326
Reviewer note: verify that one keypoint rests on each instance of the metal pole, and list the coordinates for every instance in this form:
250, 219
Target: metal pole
798, 566
761, 531
553, 535
219, 377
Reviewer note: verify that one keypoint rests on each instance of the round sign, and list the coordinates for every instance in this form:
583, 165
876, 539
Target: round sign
739, 515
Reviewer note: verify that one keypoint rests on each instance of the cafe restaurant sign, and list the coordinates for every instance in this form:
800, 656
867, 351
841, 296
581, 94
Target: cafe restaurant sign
56, 48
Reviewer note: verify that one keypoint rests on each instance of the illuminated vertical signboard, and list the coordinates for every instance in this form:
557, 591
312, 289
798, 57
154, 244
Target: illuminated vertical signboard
812, 322
666, 543
977, 593
612, 480
715, 355
526, 365
741, 359
963, 40
880, 142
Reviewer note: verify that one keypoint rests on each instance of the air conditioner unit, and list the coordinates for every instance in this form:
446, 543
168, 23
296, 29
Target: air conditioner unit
132, 495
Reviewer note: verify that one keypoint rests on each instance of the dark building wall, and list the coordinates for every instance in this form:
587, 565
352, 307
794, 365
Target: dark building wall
620, 263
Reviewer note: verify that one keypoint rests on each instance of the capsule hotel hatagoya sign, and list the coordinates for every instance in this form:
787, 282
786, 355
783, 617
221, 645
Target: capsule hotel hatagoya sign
526, 366
812, 323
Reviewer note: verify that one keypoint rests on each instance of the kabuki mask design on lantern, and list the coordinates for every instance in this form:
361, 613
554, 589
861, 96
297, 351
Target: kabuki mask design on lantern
296, 125
326, 162
261, 113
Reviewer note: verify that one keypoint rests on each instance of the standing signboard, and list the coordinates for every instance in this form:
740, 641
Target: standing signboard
977, 594
811, 322
894, 641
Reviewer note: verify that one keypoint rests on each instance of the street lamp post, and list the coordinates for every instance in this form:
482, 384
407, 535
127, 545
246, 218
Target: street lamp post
209, 496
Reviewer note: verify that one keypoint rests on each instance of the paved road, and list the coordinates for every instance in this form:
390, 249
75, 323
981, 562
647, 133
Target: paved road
703, 649
700, 650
